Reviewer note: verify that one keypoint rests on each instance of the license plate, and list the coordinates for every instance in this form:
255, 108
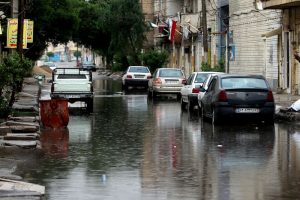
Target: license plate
247, 110
139, 76
73, 96
172, 82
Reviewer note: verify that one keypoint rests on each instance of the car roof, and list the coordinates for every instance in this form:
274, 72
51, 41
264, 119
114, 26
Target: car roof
138, 66
240, 76
168, 68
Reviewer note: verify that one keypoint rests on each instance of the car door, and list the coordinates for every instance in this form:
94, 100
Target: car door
207, 98
187, 88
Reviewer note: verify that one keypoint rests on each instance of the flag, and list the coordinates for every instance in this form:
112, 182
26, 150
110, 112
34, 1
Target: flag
172, 29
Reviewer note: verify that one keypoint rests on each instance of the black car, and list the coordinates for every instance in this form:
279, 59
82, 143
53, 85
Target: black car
89, 67
238, 97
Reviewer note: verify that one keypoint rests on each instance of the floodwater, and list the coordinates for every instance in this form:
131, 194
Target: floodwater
133, 148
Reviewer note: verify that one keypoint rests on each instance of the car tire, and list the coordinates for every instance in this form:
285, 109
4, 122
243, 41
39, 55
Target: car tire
183, 104
190, 105
90, 105
125, 87
154, 94
149, 93
178, 97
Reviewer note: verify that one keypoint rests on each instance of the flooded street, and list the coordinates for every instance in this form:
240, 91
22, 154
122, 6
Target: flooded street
134, 148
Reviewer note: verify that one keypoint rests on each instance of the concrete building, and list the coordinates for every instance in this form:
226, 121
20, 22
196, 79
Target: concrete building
253, 40
240, 33
289, 34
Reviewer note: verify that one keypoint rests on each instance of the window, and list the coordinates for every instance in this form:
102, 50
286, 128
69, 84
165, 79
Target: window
243, 82
190, 79
139, 69
170, 73
201, 78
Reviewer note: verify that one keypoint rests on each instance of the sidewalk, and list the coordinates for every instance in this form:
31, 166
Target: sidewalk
285, 100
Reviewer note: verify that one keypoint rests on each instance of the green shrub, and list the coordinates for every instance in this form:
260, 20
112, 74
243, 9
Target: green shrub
4, 108
218, 68
155, 58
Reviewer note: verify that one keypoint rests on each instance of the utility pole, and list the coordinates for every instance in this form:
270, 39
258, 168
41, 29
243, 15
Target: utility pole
204, 30
21, 16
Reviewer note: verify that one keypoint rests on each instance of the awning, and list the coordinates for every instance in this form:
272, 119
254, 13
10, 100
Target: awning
274, 32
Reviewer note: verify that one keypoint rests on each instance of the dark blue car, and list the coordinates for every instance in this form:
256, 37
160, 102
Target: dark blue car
238, 97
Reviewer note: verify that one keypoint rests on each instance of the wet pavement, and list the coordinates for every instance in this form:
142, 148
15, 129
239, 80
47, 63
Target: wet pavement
131, 148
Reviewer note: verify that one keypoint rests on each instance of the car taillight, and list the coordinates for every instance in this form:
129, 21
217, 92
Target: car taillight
183, 82
157, 81
270, 96
129, 76
195, 90
222, 96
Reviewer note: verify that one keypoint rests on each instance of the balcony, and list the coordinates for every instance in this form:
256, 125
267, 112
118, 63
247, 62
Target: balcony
279, 4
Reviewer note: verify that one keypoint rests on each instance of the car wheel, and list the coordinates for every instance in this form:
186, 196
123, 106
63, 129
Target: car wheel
215, 119
125, 87
90, 105
190, 105
154, 94
183, 104
178, 97
149, 93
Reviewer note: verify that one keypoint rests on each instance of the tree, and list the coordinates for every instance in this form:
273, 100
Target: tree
50, 54
155, 59
13, 70
54, 21
127, 26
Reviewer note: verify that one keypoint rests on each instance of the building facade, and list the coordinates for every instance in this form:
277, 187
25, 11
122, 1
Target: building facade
246, 37
289, 34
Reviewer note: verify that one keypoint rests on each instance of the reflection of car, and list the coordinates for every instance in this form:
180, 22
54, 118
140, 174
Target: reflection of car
136, 76
166, 81
89, 67
231, 96
189, 92
205, 86
51, 65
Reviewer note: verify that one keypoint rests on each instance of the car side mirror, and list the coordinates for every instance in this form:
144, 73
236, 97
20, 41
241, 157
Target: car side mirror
202, 89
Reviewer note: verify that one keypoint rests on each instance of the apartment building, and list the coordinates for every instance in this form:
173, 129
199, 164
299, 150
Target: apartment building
289, 34
245, 35
253, 40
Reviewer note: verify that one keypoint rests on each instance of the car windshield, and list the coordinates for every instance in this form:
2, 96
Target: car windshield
139, 69
170, 73
243, 82
200, 78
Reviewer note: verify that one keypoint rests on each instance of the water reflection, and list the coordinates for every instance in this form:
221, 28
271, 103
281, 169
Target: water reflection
55, 142
135, 148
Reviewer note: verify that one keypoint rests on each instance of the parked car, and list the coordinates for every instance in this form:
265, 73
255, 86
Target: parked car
136, 76
166, 81
239, 97
88, 67
205, 86
189, 92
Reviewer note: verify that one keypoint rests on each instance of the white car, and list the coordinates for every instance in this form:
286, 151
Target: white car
136, 76
204, 87
189, 92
